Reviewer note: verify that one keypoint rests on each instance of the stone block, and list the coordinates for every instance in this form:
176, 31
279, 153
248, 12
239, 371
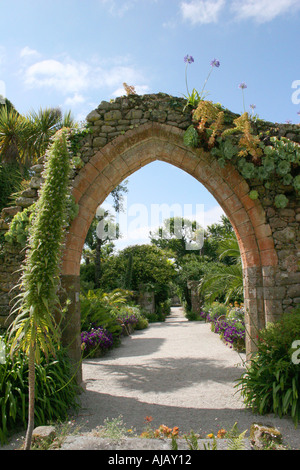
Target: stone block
43, 433
93, 116
114, 115
99, 142
261, 435
36, 182
25, 201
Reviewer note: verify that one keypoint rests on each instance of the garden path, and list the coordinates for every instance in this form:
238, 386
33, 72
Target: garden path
179, 373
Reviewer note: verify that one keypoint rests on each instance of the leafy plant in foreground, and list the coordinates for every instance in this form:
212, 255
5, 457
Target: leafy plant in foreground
55, 394
271, 384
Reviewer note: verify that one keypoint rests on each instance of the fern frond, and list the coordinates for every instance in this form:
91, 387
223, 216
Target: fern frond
237, 442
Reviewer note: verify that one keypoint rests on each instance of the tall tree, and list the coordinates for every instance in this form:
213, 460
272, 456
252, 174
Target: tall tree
179, 236
103, 231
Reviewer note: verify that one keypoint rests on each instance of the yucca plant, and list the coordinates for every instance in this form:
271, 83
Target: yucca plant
43, 124
13, 143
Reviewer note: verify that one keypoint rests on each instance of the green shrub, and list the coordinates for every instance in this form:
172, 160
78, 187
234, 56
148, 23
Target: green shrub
155, 317
215, 310
193, 316
271, 383
56, 392
96, 312
142, 323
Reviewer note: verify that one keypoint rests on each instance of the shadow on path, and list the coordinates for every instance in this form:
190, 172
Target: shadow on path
167, 375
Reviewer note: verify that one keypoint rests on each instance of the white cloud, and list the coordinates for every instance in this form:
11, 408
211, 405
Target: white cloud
73, 77
121, 7
117, 8
202, 11
28, 52
262, 11
68, 77
74, 100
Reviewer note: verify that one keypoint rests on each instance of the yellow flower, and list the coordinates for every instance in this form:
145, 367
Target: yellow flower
210, 436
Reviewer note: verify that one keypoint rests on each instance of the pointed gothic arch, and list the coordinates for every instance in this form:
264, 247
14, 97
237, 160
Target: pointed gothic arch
155, 141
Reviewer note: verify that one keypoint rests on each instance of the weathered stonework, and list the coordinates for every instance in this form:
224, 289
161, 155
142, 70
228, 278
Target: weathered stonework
131, 132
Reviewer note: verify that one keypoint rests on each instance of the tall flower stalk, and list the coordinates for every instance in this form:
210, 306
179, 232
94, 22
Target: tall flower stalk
242, 86
195, 97
188, 59
34, 330
214, 63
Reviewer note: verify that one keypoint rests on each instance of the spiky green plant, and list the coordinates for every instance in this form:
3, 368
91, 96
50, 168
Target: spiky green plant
35, 330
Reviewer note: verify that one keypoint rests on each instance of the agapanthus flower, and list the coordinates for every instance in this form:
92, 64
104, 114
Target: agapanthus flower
188, 59
252, 106
242, 85
215, 63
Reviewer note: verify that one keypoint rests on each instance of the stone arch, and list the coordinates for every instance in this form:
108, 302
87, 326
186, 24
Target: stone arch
131, 132
155, 141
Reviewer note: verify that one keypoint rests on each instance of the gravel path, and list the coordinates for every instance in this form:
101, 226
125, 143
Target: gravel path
179, 373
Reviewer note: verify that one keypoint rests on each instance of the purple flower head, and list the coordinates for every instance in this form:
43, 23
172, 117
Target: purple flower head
298, 112
188, 59
242, 85
252, 106
215, 63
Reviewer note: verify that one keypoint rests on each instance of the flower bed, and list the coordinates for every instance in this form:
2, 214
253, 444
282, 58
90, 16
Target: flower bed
232, 332
97, 340
230, 326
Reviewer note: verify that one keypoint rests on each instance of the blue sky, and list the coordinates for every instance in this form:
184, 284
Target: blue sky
76, 53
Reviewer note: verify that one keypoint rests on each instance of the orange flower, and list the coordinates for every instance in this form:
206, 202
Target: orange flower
175, 431
148, 419
221, 433
210, 436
